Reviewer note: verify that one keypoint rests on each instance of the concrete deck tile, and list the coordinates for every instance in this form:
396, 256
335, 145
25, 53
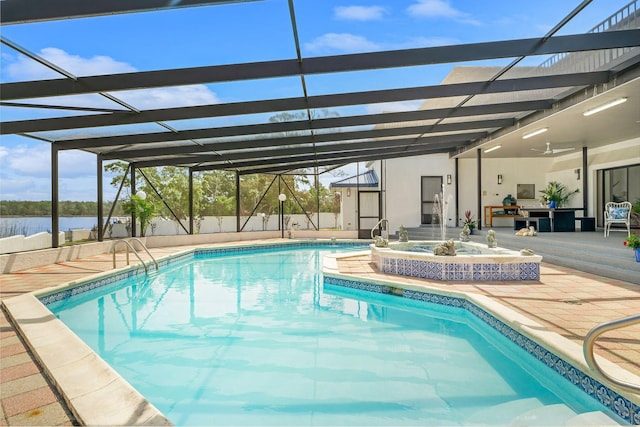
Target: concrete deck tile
16, 359
28, 401
48, 415
20, 385
18, 371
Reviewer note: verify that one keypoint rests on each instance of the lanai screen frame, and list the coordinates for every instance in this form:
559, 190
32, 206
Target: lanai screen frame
311, 147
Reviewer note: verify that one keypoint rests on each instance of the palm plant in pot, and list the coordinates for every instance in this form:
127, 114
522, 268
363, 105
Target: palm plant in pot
556, 195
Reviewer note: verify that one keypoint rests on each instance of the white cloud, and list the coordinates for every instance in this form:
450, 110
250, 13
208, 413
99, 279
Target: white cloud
35, 161
359, 13
391, 107
27, 69
26, 174
343, 42
439, 9
415, 42
179, 96
25, 169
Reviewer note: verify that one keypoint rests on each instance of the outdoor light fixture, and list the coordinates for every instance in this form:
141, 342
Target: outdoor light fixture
534, 133
488, 150
499, 179
577, 171
141, 194
605, 106
348, 192
449, 179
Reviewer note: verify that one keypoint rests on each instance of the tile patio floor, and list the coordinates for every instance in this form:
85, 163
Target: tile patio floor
566, 301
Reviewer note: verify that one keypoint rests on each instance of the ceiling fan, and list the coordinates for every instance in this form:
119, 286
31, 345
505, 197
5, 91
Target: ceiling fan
553, 151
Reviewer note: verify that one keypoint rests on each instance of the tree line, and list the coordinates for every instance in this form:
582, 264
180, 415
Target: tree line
43, 208
214, 195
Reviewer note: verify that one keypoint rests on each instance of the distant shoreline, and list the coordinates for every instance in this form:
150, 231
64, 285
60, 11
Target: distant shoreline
47, 216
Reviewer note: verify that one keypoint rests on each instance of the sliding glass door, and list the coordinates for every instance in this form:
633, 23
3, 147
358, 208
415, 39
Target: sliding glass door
618, 185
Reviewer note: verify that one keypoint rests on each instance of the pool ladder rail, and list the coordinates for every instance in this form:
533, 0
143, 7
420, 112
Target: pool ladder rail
589, 341
128, 244
383, 224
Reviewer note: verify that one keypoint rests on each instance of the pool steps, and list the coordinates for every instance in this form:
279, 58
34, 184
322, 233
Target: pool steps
533, 412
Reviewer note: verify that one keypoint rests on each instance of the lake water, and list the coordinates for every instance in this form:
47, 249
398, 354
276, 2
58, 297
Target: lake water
11, 226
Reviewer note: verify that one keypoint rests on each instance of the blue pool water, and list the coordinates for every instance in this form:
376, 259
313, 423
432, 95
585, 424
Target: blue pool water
255, 339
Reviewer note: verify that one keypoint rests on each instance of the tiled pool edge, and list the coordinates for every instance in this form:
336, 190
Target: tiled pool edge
614, 401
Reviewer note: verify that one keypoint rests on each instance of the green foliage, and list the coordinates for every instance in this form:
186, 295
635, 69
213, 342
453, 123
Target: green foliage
468, 220
43, 208
143, 209
558, 193
633, 241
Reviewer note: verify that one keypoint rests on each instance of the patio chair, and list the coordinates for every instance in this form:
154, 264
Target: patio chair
617, 213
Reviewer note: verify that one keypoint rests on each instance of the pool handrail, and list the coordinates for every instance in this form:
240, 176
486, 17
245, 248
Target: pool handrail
129, 246
384, 223
589, 341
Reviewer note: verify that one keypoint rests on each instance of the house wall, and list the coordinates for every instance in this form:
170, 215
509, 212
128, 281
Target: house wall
401, 192
348, 209
514, 171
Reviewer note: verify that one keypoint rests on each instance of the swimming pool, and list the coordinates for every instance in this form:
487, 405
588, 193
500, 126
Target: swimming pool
253, 337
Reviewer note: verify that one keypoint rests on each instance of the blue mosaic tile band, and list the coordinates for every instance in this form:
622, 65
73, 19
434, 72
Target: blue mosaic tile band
617, 404
203, 253
438, 270
198, 253
354, 284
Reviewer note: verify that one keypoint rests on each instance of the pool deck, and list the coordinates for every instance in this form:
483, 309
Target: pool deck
565, 301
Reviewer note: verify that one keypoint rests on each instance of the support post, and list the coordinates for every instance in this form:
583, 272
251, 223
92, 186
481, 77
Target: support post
456, 172
133, 191
55, 215
479, 181
585, 183
237, 201
100, 213
190, 201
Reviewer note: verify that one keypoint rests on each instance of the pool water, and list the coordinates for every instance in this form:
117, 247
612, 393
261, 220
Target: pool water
255, 339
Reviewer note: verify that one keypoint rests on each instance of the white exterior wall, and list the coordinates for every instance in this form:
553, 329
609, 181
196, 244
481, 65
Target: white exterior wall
348, 209
401, 192
514, 171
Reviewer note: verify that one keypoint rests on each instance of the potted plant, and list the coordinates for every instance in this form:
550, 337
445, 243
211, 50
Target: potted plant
469, 222
556, 195
633, 241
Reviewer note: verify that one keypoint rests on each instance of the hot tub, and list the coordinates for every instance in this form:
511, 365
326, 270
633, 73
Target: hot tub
473, 262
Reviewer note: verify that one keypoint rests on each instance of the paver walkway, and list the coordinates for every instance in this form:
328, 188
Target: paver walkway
566, 301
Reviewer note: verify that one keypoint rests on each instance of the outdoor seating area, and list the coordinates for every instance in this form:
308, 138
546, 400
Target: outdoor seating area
617, 213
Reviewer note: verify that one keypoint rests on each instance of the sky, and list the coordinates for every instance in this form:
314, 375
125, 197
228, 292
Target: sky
240, 33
